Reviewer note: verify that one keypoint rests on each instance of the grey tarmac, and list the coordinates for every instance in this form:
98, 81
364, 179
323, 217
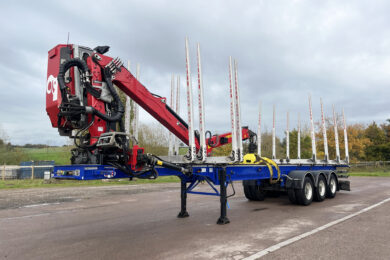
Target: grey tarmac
139, 222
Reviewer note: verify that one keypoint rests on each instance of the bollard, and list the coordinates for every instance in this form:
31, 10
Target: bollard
32, 172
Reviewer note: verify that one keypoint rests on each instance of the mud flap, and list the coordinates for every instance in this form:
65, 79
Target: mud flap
344, 185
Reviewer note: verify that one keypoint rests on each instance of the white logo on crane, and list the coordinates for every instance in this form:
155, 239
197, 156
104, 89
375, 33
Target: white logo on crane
52, 87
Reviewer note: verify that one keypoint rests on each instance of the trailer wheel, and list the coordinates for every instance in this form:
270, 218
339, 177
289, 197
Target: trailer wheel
320, 191
291, 196
248, 192
254, 192
259, 193
273, 193
305, 195
332, 187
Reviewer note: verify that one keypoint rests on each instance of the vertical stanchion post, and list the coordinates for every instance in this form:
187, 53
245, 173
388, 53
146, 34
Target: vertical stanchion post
299, 137
238, 115
183, 195
128, 108
203, 149
345, 139
191, 140
136, 107
273, 135
288, 139
259, 132
336, 136
313, 137
223, 219
326, 156
177, 112
32, 172
234, 155
170, 136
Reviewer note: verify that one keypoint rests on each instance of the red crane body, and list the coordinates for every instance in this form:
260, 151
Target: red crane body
98, 64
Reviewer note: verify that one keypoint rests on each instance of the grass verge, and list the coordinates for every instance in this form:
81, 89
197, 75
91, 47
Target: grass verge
370, 174
24, 184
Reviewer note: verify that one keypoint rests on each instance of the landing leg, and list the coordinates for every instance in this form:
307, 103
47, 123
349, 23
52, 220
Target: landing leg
222, 179
183, 212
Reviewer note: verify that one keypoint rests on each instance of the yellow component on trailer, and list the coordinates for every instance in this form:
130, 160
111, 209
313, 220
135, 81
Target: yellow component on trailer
251, 158
160, 163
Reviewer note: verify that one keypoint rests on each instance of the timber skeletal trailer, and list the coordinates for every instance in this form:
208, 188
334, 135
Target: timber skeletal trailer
83, 104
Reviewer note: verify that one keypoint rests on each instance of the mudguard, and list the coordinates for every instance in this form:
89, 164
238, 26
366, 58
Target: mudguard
295, 178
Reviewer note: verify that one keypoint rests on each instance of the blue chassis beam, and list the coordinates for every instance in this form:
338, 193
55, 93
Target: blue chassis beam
200, 172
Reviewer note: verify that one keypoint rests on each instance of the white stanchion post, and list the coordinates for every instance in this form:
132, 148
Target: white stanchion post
326, 158
299, 137
203, 149
170, 135
177, 140
273, 135
234, 154
238, 115
313, 137
259, 132
287, 139
191, 155
345, 139
336, 136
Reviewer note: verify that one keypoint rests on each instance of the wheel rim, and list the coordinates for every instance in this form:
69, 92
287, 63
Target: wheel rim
308, 191
321, 188
332, 185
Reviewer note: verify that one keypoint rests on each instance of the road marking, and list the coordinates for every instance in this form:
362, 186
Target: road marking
301, 236
39, 205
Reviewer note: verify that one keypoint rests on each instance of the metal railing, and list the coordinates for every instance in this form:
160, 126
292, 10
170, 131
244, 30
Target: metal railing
12, 172
376, 164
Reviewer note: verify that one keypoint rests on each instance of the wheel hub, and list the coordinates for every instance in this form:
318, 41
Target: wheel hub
308, 191
321, 188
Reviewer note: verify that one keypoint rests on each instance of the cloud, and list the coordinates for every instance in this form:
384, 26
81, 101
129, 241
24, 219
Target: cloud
339, 51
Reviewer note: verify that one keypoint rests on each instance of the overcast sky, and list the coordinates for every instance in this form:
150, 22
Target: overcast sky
337, 50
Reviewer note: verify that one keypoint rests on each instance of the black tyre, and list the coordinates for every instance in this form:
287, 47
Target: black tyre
291, 196
273, 193
331, 187
320, 191
305, 195
258, 193
248, 192
253, 192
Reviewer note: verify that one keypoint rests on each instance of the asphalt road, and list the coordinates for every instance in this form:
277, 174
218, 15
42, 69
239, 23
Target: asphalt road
139, 222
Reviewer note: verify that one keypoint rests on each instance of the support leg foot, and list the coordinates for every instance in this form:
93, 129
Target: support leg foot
223, 221
183, 214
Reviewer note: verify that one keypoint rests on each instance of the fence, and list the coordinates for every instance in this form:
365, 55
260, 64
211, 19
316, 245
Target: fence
9, 172
372, 164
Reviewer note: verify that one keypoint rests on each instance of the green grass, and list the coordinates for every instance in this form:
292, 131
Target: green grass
61, 155
372, 174
23, 184
370, 171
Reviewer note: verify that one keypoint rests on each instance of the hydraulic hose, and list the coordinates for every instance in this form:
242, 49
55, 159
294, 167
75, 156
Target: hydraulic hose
120, 109
81, 64
83, 67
